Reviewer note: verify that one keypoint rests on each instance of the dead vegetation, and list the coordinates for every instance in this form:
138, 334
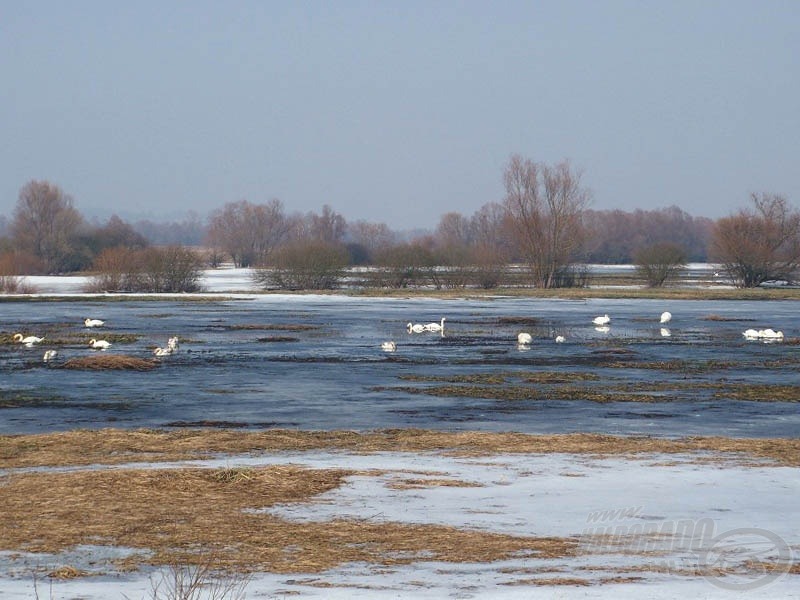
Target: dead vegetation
119, 446
178, 516
107, 362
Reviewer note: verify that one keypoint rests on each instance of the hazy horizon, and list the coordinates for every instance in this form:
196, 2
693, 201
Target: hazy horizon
397, 112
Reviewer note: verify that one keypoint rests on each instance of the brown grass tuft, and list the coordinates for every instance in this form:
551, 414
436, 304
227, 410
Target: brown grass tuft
106, 362
66, 572
183, 515
117, 446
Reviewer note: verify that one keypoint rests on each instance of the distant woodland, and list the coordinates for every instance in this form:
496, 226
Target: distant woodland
544, 226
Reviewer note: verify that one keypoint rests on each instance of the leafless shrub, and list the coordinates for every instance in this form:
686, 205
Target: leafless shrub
10, 284
192, 582
404, 265
659, 263
305, 265
157, 270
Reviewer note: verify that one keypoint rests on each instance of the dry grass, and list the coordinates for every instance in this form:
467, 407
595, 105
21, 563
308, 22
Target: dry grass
117, 446
107, 362
182, 515
421, 483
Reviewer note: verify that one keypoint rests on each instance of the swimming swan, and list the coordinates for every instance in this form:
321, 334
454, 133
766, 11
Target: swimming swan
604, 320
99, 344
435, 326
389, 346
28, 341
415, 328
666, 317
93, 322
524, 338
560, 339
763, 334
162, 351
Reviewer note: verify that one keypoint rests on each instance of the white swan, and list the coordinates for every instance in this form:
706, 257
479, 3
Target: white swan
435, 326
162, 351
389, 346
87, 322
604, 320
415, 328
49, 355
524, 338
560, 339
770, 334
751, 334
28, 341
99, 344
172, 344
666, 317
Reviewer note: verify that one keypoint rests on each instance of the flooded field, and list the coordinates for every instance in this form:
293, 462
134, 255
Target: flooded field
316, 362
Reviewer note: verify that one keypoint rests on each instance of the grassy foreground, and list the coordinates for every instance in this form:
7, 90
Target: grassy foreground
186, 515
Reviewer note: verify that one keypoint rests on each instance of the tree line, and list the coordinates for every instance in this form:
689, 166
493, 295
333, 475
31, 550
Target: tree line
544, 226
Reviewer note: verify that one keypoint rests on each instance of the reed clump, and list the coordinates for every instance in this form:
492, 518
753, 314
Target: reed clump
109, 362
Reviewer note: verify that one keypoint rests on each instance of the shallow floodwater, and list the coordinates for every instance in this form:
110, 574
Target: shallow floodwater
315, 362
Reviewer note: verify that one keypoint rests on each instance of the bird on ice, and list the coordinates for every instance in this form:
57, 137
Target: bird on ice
666, 317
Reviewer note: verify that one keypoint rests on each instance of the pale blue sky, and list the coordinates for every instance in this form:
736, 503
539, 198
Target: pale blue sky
397, 111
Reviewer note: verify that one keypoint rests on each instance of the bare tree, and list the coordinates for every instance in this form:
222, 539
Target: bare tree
545, 205
46, 224
328, 227
366, 240
248, 232
760, 244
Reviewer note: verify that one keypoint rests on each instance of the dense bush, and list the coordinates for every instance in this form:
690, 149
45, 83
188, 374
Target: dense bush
305, 265
154, 270
404, 265
659, 263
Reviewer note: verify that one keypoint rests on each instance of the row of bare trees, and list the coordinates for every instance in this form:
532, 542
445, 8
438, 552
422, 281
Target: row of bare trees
543, 225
